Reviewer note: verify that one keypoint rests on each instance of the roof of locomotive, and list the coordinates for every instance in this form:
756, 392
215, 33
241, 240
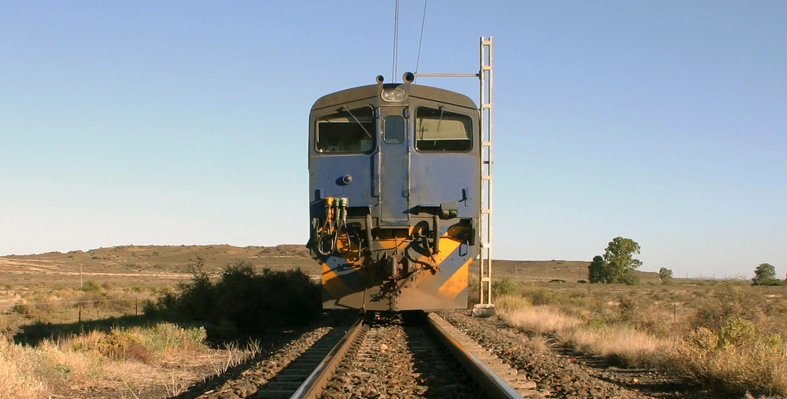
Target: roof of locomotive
413, 90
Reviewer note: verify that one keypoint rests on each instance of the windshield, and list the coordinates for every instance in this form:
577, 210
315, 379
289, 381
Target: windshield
346, 131
441, 130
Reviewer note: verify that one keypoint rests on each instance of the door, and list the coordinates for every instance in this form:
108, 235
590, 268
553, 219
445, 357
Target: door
394, 167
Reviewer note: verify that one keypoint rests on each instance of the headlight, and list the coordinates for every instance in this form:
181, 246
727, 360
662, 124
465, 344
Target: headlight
394, 95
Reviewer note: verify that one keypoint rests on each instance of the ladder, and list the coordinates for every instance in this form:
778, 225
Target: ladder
487, 91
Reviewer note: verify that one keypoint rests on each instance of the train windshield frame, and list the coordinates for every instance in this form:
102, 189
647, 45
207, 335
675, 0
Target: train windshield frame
347, 131
440, 130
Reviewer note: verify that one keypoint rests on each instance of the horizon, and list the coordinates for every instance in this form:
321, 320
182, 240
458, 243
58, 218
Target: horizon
726, 277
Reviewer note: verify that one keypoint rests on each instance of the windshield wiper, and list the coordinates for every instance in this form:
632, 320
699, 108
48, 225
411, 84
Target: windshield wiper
440, 107
356, 120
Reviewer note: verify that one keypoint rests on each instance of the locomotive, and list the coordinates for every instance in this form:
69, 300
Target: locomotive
395, 196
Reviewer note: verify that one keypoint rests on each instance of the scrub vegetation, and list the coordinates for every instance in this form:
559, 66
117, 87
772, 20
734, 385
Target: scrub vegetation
153, 329
110, 335
726, 335
242, 299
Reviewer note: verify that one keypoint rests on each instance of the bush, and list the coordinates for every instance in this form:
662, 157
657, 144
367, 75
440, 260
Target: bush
770, 283
730, 303
91, 286
506, 286
540, 296
511, 302
121, 345
243, 299
737, 357
630, 278
665, 275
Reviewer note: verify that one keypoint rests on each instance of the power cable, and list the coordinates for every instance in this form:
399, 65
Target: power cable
395, 42
421, 40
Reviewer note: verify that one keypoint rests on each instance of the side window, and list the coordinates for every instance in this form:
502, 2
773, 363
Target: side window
394, 130
441, 130
346, 131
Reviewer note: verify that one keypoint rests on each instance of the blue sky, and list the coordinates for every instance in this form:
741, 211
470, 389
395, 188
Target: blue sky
186, 122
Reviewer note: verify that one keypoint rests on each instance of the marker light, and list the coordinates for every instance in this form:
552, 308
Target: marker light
347, 179
393, 95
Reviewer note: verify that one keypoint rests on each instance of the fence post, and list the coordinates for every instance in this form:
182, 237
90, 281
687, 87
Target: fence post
136, 306
79, 312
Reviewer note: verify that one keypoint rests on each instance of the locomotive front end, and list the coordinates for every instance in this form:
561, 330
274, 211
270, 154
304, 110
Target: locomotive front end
394, 177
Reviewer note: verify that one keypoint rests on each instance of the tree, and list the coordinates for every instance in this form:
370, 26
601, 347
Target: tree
620, 258
597, 270
764, 274
630, 278
665, 275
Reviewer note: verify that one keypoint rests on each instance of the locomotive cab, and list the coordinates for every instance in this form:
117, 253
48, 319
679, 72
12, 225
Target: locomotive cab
395, 184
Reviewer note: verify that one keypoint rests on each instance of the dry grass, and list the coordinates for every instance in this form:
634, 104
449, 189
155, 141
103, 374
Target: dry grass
538, 344
41, 297
729, 336
542, 320
123, 360
620, 345
737, 357
18, 378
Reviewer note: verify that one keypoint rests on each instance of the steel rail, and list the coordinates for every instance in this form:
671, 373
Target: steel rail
317, 380
494, 386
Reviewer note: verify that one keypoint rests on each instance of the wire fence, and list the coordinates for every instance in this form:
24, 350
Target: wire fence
77, 310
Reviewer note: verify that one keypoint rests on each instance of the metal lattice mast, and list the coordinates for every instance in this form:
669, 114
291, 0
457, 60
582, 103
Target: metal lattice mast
487, 90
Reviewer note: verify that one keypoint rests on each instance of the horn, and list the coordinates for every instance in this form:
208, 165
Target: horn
379, 79
408, 77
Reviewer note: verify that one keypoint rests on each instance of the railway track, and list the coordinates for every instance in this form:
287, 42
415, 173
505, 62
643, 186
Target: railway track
401, 356
411, 355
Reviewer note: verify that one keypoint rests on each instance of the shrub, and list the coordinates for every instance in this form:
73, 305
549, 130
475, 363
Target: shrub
511, 302
630, 278
10, 325
729, 303
122, 345
23, 309
91, 286
540, 296
33, 311
506, 286
737, 357
243, 298
164, 337
665, 275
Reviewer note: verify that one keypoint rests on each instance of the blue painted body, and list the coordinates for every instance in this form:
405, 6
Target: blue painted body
403, 202
396, 177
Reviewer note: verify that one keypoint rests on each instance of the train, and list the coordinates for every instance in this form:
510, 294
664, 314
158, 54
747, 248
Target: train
394, 196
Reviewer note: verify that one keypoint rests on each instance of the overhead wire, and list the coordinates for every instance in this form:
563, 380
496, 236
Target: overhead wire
421, 40
395, 42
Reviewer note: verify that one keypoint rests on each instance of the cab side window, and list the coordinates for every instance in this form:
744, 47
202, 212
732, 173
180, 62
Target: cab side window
441, 130
346, 131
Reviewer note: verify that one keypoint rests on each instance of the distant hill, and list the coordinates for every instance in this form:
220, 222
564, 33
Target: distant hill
172, 262
547, 270
159, 259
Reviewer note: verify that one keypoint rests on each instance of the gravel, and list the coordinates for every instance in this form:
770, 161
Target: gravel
399, 359
567, 375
